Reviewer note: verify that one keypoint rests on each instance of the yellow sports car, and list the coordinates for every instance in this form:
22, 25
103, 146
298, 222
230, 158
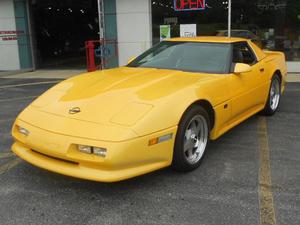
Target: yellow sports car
159, 110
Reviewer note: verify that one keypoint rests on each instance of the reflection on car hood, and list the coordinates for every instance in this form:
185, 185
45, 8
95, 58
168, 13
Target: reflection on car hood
102, 95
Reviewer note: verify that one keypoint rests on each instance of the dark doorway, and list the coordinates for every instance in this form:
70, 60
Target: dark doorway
61, 28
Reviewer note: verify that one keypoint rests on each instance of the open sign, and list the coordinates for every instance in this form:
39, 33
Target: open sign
187, 5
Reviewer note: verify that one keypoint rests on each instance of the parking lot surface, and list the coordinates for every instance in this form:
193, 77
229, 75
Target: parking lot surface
251, 175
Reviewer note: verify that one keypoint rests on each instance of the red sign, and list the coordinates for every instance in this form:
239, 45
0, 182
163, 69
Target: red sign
187, 5
10, 35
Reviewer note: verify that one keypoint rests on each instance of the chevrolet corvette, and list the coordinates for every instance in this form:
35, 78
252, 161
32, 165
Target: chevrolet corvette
159, 110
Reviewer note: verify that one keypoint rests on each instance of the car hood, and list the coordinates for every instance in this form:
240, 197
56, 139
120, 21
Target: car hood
117, 96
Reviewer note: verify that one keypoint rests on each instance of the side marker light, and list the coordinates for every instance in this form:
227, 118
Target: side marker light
160, 139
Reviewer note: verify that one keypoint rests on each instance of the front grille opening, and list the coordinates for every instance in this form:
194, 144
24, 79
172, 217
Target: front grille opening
48, 156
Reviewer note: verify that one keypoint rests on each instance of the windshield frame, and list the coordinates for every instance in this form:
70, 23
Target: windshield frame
227, 69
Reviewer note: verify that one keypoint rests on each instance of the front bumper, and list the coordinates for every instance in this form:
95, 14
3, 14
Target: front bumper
125, 159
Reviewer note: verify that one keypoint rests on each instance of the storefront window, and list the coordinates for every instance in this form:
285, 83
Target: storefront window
272, 24
62, 28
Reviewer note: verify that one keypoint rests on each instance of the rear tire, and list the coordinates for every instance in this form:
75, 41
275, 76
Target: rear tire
274, 96
192, 139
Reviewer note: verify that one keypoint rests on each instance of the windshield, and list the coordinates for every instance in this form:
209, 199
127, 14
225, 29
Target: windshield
186, 56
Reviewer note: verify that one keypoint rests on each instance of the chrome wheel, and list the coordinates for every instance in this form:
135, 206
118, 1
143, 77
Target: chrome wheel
275, 94
195, 139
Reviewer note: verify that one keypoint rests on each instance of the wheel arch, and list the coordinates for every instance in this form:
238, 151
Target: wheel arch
208, 107
277, 72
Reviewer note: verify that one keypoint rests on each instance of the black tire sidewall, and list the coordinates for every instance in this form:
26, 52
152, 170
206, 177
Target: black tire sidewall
180, 162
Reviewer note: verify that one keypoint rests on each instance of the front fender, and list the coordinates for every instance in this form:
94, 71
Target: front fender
167, 112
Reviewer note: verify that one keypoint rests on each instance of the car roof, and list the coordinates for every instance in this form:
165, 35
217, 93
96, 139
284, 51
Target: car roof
210, 39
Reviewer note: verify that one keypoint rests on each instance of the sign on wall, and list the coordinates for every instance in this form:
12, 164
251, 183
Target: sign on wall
165, 32
10, 35
188, 30
188, 5
171, 20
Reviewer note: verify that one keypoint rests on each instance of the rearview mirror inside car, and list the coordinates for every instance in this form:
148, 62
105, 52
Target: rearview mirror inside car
242, 68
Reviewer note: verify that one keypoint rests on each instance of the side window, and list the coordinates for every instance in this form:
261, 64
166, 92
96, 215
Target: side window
243, 54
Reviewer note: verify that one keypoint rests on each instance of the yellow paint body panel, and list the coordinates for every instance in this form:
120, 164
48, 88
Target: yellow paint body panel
123, 108
58, 153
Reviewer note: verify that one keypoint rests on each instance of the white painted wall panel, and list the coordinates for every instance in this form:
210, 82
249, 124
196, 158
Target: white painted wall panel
9, 55
134, 28
293, 67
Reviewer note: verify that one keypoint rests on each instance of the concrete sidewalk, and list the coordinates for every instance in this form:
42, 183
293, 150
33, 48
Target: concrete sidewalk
46, 74
293, 77
64, 74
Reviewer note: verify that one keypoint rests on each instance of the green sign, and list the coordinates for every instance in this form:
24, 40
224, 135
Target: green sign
165, 32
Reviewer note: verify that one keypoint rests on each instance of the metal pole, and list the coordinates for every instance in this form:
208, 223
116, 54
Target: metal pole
101, 29
100, 18
229, 18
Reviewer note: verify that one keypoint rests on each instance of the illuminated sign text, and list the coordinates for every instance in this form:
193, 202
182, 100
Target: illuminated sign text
187, 5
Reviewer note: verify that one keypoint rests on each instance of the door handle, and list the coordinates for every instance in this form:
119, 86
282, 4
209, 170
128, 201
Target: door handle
262, 70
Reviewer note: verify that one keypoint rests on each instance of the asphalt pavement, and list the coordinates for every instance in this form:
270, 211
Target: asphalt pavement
230, 187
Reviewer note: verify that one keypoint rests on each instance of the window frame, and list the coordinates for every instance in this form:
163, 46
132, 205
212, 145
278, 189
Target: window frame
226, 70
251, 50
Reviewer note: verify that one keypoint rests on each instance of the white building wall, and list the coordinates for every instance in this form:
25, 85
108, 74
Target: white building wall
293, 67
134, 28
9, 54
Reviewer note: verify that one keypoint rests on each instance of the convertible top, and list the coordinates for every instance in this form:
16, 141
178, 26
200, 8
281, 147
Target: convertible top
212, 39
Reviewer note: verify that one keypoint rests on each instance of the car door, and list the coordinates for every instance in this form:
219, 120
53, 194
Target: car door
244, 87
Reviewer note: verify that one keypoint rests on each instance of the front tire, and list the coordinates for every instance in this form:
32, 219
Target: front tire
274, 96
191, 140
